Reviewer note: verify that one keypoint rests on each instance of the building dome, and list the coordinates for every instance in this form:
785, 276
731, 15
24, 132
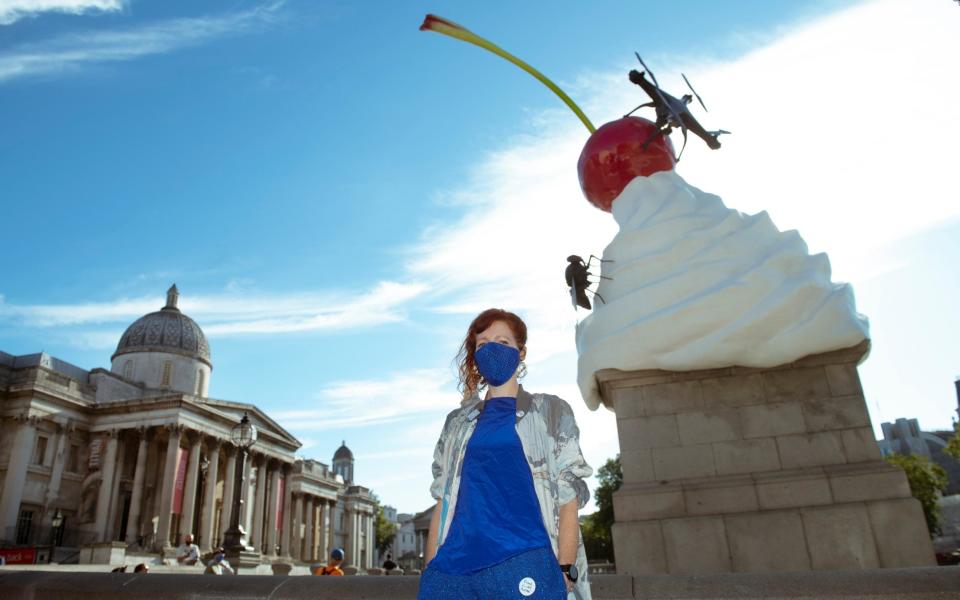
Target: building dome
167, 330
343, 453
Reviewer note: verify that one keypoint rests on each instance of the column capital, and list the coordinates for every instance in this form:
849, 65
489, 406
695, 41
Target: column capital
26, 418
214, 443
174, 429
194, 437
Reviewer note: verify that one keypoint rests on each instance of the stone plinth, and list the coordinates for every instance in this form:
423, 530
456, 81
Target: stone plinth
103, 553
757, 470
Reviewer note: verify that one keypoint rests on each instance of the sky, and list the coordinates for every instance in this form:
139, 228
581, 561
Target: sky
337, 194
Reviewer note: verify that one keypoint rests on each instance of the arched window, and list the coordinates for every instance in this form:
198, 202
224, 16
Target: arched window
200, 376
167, 373
128, 369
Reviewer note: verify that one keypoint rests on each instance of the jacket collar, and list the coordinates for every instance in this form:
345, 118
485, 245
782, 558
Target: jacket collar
473, 406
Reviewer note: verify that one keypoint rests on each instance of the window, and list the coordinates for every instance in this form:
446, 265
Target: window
200, 375
24, 525
128, 370
73, 459
40, 450
167, 373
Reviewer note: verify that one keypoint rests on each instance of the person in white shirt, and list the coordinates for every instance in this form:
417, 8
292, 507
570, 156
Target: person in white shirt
188, 553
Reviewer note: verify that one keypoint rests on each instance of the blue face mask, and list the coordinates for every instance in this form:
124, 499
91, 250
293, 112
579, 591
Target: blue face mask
497, 362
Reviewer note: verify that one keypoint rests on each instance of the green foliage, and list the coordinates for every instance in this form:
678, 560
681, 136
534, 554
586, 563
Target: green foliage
385, 531
953, 446
927, 481
596, 528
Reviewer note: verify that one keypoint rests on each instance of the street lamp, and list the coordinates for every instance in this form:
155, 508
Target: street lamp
55, 523
243, 436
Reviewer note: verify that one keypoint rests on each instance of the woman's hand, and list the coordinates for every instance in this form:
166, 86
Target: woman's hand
569, 583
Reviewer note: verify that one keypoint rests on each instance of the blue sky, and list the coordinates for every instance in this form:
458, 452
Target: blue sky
336, 193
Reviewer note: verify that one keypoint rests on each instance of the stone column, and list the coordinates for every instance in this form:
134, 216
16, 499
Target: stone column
136, 496
56, 475
166, 490
285, 537
115, 505
273, 504
309, 554
297, 518
354, 540
22, 446
210, 494
226, 502
105, 494
256, 532
322, 529
188, 506
332, 528
371, 540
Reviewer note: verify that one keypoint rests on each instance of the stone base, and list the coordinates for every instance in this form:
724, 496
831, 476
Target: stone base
103, 553
243, 559
757, 470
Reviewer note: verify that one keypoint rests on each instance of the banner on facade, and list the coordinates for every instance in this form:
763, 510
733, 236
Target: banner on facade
278, 524
19, 556
96, 450
178, 483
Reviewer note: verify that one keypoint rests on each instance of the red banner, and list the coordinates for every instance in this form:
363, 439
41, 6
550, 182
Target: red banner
19, 556
182, 457
280, 490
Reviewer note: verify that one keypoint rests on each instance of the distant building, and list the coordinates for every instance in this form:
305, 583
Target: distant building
904, 436
141, 454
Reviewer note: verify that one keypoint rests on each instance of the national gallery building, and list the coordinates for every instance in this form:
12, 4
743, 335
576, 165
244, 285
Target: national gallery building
141, 455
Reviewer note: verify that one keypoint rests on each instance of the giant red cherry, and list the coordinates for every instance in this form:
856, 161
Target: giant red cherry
615, 154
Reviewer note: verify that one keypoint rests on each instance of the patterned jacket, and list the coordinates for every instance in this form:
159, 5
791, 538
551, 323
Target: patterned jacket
551, 442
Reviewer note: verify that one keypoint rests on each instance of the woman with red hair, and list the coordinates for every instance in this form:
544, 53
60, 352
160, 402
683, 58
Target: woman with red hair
508, 479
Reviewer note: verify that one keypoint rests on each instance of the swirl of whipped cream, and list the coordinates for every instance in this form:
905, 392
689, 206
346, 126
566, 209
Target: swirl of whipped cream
696, 285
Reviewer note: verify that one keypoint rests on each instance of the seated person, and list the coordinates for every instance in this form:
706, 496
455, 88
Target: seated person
188, 553
141, 568
218, 565
333, 567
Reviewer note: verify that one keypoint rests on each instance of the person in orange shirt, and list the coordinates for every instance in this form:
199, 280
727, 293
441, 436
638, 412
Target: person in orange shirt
333, 567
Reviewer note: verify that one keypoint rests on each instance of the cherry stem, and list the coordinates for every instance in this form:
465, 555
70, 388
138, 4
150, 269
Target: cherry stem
449, 28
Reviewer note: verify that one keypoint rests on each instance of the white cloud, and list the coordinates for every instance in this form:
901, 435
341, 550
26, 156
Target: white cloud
73, 51
399, 397
233, 314
837, 132
12, 11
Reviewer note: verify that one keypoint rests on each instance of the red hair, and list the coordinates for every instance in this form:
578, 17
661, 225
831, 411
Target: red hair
470, 378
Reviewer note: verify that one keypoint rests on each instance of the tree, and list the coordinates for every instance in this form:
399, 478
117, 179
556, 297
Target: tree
927, 481
953, 445
385, 531
596, 528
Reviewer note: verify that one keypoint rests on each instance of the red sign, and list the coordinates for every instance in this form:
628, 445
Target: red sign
19, 556
181, 479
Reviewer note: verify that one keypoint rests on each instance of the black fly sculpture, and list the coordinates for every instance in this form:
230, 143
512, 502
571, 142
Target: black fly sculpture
577, 275
672, 112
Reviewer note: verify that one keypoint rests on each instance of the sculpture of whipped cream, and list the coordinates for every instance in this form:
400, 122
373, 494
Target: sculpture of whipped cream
696, 285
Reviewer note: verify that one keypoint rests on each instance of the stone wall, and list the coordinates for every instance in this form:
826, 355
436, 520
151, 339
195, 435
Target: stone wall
927, 583
757, 470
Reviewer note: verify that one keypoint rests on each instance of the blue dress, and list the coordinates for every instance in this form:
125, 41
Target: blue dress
497, 515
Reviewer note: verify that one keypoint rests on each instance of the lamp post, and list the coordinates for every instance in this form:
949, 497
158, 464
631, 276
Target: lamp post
56, 534
243, 436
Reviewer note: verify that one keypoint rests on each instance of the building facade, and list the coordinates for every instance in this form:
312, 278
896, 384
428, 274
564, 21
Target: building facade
140, 454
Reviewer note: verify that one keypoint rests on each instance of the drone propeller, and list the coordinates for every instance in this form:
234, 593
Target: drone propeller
647, 69
699, 99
